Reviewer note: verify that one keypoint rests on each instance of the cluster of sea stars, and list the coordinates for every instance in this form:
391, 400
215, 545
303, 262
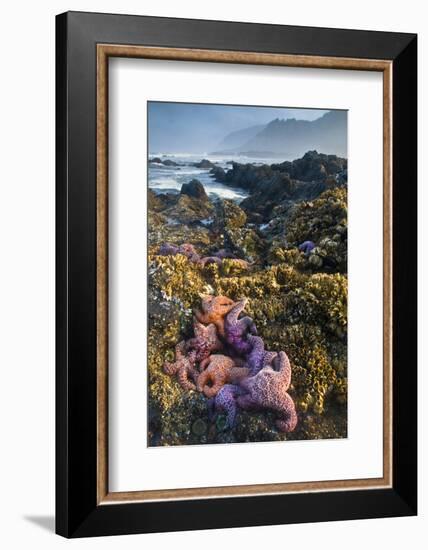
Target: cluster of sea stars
244, 376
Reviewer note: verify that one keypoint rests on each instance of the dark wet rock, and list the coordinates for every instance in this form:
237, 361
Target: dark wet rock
204, 163
247, 176
218, 173
165, 162
275, 189
194, 189
314, 166
302, 179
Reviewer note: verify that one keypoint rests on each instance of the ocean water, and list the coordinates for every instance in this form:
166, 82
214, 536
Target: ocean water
169, 179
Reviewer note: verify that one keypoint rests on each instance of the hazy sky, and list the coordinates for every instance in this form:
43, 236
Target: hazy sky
198, 128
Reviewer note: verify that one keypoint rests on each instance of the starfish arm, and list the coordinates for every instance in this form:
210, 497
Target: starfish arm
245, 402
202, 380
193, 372
269, 357
204, 364
183, 378
170, 368
212, 391
288, 415
234, 313
284, 368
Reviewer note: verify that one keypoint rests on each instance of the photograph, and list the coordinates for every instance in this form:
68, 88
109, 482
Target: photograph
247, 273
208, 342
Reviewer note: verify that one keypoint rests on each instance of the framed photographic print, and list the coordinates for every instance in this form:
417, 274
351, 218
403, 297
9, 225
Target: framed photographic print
236, 274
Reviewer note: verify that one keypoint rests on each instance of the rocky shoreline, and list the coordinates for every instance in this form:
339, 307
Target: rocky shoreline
284, 251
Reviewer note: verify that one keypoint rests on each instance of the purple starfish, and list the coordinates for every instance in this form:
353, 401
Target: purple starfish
237, 330
185, 249
258, 356
167, 249
307, 247
223, 253
204, 342
268, 390
225, 402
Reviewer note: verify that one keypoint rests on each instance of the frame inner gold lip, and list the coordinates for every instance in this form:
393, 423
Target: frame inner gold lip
104, 51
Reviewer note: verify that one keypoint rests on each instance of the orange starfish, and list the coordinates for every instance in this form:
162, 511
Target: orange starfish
219, 370
214, 310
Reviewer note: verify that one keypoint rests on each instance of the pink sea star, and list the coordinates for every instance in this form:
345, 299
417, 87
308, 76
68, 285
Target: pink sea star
185, 249
184, 367
189, 353
205, 340
268, 390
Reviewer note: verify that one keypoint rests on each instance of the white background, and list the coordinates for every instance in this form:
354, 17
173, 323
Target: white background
133, 466
27, 274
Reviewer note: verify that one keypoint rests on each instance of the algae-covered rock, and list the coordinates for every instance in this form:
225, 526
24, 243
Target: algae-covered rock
296, 298
188, 210
230, 223
323, 221
315, 220
229, 215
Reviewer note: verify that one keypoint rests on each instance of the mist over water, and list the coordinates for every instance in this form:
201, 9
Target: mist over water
195, 127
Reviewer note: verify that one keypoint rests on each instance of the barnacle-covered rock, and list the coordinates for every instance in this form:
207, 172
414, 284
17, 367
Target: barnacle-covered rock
297, 300
230, 224
188, 209
229, 215
322, 221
